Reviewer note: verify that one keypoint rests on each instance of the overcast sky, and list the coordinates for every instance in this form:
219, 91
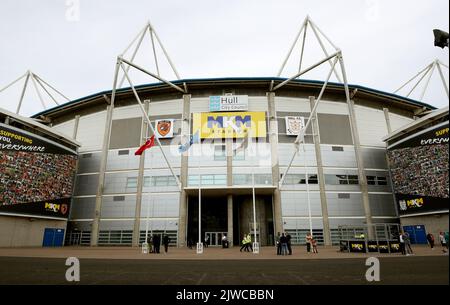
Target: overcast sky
73, 44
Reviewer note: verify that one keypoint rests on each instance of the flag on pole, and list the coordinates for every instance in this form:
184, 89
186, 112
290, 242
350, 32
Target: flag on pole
243, 145
193, 139
149, 143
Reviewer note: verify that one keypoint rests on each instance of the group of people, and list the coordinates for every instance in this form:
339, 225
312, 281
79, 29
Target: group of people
405, 244
443, 239
154, 243
311, 243
32, 177
283, 243
247, 243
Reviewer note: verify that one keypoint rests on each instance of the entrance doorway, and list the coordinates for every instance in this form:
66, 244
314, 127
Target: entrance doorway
214, 219
215, 238
243, 222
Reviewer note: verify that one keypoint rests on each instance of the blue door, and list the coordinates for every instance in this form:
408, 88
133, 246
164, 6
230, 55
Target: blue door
417, 234
49, 236
59, 238
53, 237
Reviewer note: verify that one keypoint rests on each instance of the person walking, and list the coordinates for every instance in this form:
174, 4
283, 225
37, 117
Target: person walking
443, 241
401, 239
289, 246
156, 243
314, 245
166, 241
430, 239
408, 248
283, 241
308, 239
244, 244
249, 242
278, 243
207, 241
224, 242
150, 244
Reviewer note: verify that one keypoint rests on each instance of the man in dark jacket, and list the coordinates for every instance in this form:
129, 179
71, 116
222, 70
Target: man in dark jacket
166, 241
156, 243
289, 246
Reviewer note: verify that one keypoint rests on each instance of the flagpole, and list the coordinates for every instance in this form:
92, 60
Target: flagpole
149, 198
255, 244
149, 123
199, 245
307, 189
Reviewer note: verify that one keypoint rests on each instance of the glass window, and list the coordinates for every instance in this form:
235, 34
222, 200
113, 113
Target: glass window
312, 179
220, 179
240, 179
207, 180
239, 155
382, 180
131, 182
295, 179
371, 180
353, 179
263, 179
219, 153
331, 180
148, 181
161, 180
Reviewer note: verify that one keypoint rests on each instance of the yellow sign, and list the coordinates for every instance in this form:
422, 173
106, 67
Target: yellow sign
230, 125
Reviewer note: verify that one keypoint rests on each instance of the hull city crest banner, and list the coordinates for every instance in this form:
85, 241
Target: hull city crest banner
164, 128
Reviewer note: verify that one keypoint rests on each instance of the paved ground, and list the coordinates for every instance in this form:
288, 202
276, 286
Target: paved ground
407, 270
187, 254
217, 267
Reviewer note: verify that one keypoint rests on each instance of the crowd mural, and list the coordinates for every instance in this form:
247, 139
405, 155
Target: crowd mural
421, 170
33, 177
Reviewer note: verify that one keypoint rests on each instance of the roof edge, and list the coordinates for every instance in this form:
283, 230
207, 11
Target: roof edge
268, 79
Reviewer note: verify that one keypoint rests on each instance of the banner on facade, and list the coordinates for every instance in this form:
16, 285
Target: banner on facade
230, 125
164, 128
36, 174
228, 103
294, 124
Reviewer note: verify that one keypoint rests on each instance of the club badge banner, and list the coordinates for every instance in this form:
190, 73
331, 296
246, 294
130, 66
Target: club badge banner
164, 128
294, 124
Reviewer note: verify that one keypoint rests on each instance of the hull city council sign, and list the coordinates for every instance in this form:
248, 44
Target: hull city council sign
228, 103
229, 125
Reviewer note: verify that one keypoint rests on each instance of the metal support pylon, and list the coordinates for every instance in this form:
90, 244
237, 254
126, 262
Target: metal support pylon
37, 83
425, 75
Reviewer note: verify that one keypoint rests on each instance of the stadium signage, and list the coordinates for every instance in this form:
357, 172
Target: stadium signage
58, 208
228, 103
230, 125
14, 140
413, 204
434, 136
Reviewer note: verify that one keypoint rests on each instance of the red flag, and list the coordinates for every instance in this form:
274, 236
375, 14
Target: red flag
149, 143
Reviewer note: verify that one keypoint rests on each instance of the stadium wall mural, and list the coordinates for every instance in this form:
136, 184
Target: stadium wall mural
36, 175
419, 169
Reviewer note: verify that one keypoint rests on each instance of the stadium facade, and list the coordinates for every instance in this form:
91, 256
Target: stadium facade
339, 177
418, 159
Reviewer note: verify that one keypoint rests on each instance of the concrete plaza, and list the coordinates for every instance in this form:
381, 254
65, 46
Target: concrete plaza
218, 266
